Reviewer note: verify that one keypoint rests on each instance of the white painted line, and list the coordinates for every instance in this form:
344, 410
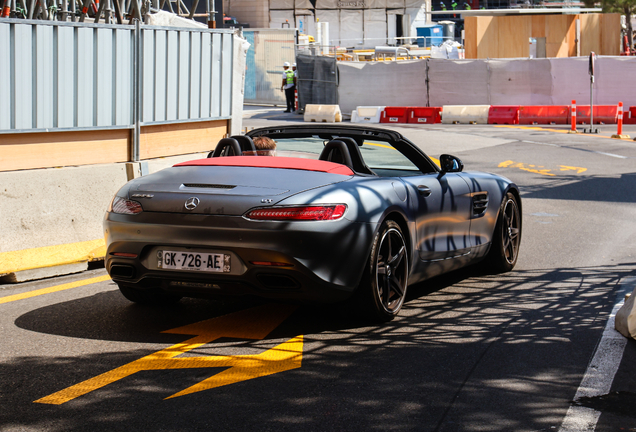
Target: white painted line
600, 373
611, 155
541, 143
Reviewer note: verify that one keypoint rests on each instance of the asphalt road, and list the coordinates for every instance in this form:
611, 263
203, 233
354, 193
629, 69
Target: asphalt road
469, 352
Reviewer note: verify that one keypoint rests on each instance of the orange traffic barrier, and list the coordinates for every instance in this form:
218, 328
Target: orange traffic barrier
630, 116
395, 115
503, 114
424, 115
603, 114
573, 119
544, 114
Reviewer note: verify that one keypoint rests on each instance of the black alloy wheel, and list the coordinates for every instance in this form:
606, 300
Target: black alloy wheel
383, 287
507, 237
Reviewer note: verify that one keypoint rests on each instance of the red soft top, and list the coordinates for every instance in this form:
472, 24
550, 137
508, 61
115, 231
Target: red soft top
272, 162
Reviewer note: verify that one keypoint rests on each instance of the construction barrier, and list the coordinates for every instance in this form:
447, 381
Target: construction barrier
425, 115
625, 321
603, 114
367, 114
323, 113
630, 116
503, 114
472, 114
544, 114
395, 115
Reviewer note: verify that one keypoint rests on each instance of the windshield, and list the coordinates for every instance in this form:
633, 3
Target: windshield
380, 156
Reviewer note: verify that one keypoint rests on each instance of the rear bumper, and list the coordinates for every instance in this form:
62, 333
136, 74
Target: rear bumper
325, 259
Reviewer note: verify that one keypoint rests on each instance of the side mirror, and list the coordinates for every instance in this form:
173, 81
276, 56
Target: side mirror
450, 163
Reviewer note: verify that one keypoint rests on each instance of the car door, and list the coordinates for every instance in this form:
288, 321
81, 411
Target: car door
442, 204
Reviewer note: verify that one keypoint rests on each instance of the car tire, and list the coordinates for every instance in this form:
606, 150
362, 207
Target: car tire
506, 239
148, 296
382, 289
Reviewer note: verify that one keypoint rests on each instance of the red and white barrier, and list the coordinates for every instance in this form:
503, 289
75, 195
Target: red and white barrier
544, 114
503, 114
395, 115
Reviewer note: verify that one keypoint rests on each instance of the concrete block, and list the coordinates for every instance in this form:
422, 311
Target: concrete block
323, 113
367, 114
465, 114
625, 321
54, 206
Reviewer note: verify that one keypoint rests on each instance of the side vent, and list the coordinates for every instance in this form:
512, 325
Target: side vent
208, 186
480, 204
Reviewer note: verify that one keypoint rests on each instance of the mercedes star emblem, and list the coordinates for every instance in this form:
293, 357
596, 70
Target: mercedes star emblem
191, 203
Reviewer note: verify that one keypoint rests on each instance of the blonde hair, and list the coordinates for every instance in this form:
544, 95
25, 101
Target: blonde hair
264, 143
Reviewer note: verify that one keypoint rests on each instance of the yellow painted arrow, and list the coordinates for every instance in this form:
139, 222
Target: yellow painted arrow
254, 323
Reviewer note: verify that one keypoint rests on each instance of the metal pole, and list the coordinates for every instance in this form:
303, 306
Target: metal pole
64, 15
137, 92
195, 3
592, 104
31, 9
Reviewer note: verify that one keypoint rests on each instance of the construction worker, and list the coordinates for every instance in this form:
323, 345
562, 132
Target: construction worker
454, 5
442, 5
467, 6
289, 86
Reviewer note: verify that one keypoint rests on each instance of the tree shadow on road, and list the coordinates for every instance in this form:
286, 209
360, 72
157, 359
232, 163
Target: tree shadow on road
470, 351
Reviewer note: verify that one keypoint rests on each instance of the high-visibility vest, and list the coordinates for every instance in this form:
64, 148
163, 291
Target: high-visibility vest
290, 76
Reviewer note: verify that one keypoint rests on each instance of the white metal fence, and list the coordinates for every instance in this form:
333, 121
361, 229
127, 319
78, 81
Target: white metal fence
62, 76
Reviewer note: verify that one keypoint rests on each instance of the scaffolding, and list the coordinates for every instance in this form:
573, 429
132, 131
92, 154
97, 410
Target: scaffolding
107, 11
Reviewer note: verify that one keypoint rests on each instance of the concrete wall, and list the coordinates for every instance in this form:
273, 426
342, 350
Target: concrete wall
438, 82
52, 218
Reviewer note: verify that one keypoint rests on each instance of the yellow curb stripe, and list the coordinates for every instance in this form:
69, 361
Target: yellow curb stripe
49, 256
53, 289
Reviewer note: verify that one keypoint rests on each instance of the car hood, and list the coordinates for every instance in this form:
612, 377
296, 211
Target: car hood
223, 190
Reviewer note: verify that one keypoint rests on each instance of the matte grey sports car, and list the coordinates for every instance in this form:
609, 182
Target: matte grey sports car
339, 213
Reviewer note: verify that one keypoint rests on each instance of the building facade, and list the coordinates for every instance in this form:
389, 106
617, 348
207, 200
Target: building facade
352, 23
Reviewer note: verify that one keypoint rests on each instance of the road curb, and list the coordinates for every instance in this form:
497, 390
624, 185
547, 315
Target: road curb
49, 261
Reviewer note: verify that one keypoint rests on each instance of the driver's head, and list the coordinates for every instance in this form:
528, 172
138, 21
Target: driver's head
265, 146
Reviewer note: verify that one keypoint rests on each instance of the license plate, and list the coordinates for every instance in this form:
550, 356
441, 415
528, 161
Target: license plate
196, 261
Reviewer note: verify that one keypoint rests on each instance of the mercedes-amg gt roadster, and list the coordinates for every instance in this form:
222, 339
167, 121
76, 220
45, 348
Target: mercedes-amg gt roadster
333, 214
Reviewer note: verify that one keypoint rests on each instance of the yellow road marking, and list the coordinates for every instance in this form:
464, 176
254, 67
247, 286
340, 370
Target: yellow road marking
578, 170
254, 323
539, 169
49, 256
53, 289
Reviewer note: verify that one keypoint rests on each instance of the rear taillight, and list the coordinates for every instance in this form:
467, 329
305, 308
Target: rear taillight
304, 213
124, 206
